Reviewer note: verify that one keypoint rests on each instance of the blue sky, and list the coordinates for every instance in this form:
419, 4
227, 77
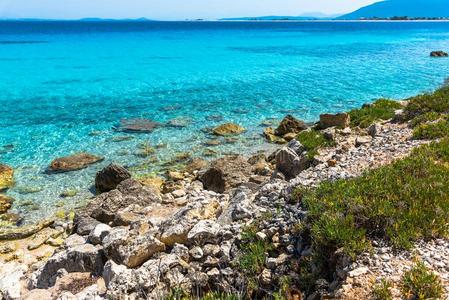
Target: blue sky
170, 9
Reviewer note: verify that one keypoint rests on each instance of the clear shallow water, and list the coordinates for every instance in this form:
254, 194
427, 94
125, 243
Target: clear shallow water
64, 85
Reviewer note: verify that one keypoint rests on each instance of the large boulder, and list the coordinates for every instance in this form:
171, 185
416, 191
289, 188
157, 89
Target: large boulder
290, 125
6, 177
74, 162
131, 248
104, 207
11, 275
341, 120
226, 173
81, 258
289, 163
176, 229
107, 179
228, 129
137, 125
439, 54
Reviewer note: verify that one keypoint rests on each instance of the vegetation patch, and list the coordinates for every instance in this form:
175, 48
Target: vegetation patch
433, 130
312, 140
382, 109
382, 290
421, 283
400, 203
437, 102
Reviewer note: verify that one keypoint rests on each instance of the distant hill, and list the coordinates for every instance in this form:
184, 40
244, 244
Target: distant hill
402, 8
303, 17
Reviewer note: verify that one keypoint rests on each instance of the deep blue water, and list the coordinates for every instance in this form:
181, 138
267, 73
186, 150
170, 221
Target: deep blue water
65, 85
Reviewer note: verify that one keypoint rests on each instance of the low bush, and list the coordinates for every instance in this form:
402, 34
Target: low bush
421, 283
313, 140
433, 130
382, 109
382, 290
437, 102
426, 118
400, 203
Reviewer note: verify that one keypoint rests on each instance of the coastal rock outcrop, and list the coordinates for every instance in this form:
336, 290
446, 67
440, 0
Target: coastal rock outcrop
290, 125
137, 125
107, 179
6, 177
80, 258
225, 173
104, 207
289, 163
341, 120
439, 54
130, 247
228, 129
73, 162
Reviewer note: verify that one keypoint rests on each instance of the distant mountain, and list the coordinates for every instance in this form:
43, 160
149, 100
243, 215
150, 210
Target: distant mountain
402, 8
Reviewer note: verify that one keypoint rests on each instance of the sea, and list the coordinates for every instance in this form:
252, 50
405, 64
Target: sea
65, 86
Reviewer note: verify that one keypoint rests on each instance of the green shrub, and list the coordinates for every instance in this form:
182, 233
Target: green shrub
421, 283
381, 109
400, 203
426, 118
437, 101
432, 130
313, 140
381, 291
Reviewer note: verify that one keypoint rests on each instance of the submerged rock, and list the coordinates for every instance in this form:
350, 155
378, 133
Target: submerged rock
23, 232
137, 125
74, 162
439, 54
6, 177
5, 203
228, 129
290, 125
271, 137
225, 173
107, 179
341, 120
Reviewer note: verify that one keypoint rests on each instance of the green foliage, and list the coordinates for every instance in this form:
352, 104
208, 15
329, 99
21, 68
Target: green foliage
220, 296
437, 101
400, 203
425, 118
313, 140
381, 290
432, 130
381, 109
179, 294
421, 283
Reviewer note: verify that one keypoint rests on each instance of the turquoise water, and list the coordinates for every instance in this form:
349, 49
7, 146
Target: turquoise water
65, 85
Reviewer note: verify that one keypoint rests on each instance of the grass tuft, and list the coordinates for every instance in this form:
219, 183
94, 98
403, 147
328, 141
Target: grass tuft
382, 290
400, 203
421, 283
313, 140
382, 109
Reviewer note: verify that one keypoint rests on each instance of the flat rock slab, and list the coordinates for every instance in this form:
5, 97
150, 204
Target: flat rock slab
137, 125
73, 162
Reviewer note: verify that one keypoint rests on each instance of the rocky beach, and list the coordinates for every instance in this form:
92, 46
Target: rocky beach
240, 227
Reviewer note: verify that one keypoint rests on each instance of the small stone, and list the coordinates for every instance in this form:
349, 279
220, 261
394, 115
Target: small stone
341, 120
179, 193
196, 252
261, 236
358, 272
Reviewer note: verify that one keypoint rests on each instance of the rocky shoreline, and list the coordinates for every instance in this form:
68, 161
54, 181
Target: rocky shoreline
143, 239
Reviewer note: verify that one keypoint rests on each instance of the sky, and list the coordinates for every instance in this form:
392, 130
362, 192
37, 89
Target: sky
170, 9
